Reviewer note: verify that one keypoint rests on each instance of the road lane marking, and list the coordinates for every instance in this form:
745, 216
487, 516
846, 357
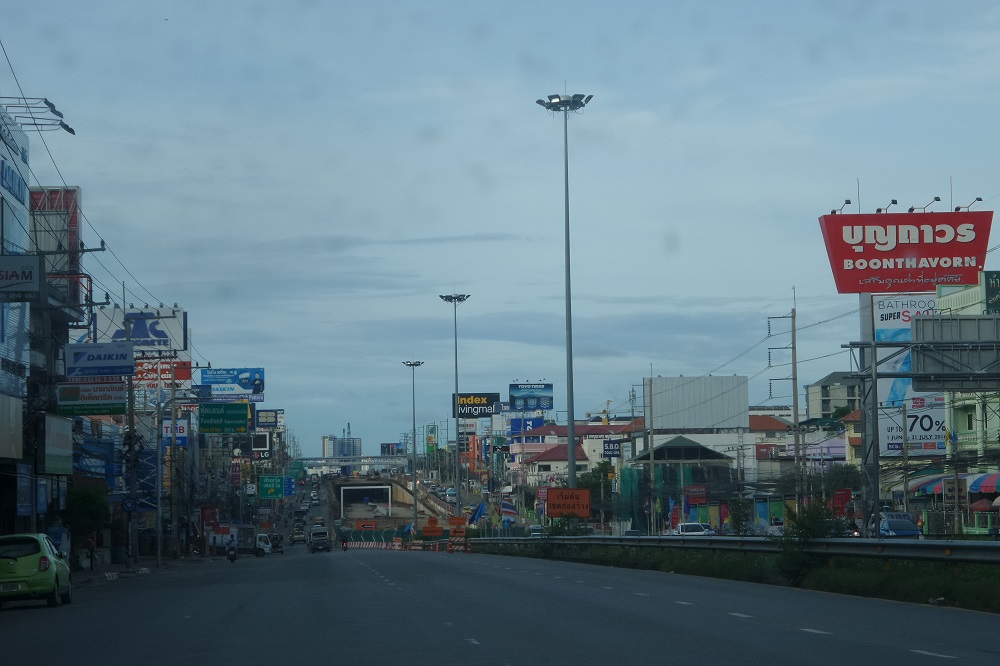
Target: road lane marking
816, 631
934, 654
472, 641
605, 587
684, 603
740, 615
640, 594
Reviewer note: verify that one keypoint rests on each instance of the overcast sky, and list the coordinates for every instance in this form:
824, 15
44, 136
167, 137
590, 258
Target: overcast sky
305, 178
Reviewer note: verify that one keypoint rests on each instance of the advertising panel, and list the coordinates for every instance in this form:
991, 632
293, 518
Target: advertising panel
174, 436
231, 384
267, 419
905, 252
153, 373
991, 283
529, 397
101, 359
612, 448
431, 434
392, 448
223, 418
58, 445
151, 329
475, 405
20, 278
91, 399
925, 412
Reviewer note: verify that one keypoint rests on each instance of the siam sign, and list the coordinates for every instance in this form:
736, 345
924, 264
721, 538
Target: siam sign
905, 252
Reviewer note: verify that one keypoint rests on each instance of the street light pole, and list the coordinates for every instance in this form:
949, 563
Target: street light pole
565, 104
413, 365
455, 299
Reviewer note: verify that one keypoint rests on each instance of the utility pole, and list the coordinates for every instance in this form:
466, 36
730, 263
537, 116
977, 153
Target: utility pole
906, 461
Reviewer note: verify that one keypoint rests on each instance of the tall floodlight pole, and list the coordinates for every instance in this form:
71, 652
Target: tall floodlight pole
413, 365
565, 104
455, 299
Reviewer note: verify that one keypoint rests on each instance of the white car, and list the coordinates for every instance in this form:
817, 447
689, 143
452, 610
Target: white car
694, 529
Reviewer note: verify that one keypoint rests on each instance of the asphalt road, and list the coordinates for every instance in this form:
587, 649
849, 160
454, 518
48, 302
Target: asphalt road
374, 606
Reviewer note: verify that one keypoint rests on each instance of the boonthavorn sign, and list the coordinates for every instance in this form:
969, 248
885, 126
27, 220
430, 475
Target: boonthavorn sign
905, 252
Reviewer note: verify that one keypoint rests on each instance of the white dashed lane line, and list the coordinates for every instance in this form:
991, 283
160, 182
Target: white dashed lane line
684, 603
933, 654
816, 631
740, 615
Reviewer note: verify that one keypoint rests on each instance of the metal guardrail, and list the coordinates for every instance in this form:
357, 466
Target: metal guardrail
978, 552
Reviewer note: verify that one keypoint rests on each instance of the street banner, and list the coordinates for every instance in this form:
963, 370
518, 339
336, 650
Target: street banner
91, 399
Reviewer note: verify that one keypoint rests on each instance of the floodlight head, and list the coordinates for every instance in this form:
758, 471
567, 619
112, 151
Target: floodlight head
911, 209
541, 102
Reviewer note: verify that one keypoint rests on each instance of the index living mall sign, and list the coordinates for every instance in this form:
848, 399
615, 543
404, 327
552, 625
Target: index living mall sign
905, 252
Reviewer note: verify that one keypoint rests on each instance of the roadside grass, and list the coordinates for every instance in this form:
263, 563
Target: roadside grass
968, 586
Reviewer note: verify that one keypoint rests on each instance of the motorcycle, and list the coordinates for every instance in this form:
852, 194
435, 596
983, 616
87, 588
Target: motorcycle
231, 554
344, 545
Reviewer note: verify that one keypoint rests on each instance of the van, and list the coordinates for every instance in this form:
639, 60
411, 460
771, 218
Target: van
319, 539
536, 531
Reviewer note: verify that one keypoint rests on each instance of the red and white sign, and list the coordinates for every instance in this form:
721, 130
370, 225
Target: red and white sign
156, 370
905, 252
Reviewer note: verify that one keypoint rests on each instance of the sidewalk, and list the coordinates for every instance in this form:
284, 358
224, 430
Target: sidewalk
146, 565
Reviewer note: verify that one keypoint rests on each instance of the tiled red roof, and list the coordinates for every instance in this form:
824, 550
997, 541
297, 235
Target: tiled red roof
557, 453
853, 417
767, 423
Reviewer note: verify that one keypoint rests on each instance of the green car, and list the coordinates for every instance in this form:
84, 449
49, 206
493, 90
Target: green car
31, 567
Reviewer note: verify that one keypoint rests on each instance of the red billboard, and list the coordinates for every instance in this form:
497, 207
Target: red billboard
905, 252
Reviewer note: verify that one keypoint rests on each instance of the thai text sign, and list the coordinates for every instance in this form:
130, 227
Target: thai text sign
898, 252
223, 418
568, 502
91, 399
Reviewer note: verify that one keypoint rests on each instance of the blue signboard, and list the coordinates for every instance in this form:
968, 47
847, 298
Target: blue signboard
100, 359
612, 448
233, 384
289, 486
529, 397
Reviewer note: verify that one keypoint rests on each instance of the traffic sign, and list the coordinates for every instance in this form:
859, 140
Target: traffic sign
289, 486
272, 487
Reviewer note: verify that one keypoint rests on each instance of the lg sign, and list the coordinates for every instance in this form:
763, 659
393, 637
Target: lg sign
905, 252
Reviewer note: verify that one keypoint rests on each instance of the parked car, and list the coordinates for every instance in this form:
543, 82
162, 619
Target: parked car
694, 529
34, 568
898, 527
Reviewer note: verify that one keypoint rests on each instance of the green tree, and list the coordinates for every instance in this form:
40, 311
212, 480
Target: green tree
86, 511
741, 516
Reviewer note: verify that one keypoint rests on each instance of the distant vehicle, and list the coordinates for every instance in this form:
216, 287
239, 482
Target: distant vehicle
898, 528
451, 492
694, 529
319, 539
536, 531
262, 545
631, 533
34, 568
298, 536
